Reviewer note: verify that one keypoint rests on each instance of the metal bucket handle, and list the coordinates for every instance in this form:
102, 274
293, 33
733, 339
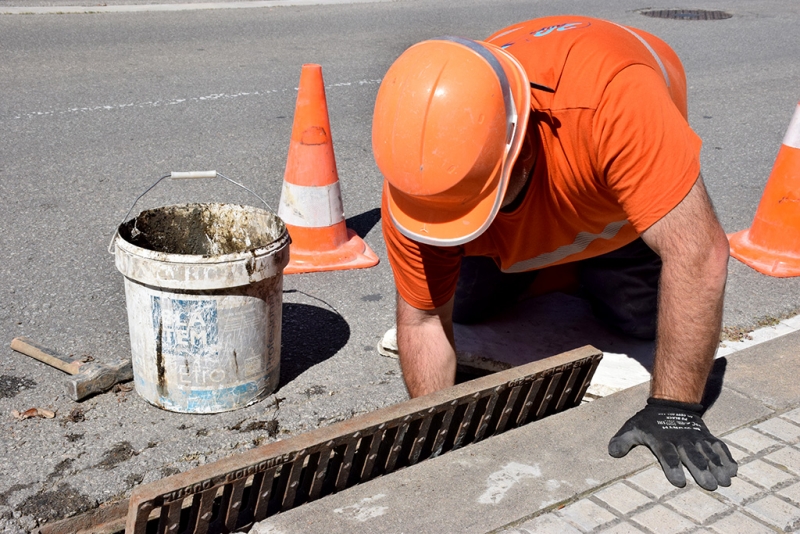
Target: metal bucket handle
175, 175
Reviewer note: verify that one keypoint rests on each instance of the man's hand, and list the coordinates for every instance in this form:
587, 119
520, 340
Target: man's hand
676, 434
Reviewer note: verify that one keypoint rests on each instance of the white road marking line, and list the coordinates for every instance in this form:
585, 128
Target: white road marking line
138, 8
176, 101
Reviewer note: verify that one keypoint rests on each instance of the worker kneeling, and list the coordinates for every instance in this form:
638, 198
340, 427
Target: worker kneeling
562, 139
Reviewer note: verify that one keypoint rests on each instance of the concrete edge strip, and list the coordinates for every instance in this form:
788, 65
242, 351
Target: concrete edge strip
761, 335
138, 8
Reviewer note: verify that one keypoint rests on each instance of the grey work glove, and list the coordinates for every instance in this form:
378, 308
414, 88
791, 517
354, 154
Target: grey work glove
675, 433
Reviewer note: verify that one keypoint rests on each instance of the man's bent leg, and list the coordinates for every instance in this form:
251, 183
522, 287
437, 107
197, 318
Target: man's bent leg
483, 290
622, 286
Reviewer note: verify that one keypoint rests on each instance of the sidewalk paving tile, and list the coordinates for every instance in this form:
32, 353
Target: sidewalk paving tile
696, 505
792, 492
546, 524
776, 512
652, 481
622, 528
587, 515
763, 474
738, 523
661, 520
793, 415
750, 440
788, 457
780, 428
739, 491
622, 498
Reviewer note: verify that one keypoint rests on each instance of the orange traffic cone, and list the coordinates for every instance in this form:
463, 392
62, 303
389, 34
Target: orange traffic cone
772, 244
311, 201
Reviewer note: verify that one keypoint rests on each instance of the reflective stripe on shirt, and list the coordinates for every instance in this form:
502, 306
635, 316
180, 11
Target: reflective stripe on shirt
582, 240
650, 48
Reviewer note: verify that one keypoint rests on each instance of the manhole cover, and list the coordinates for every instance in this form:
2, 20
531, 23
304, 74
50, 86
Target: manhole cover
686, 14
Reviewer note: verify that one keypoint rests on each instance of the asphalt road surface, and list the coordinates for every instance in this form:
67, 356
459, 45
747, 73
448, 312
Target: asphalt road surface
96, 107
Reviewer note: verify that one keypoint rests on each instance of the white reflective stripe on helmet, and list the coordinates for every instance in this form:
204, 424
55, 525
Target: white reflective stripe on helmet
505, 87
311, 206
582, 240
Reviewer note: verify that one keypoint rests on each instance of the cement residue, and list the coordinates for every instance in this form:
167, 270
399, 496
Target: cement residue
60, 469
203, 229
119, 453
11, 385
56, 504
13, 489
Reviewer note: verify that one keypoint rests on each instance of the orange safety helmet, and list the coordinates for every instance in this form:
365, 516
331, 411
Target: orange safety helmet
449, 122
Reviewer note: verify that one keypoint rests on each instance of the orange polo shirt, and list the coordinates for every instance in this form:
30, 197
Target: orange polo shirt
612, 148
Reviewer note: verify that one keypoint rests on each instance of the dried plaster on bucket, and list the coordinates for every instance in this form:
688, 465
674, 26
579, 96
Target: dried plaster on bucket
203, 286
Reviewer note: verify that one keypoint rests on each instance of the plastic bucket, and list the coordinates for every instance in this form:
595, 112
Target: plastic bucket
203, 287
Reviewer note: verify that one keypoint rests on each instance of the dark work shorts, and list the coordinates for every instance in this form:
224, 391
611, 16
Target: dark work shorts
622, 287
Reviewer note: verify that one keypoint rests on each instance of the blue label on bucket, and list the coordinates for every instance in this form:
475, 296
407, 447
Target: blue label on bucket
185, 328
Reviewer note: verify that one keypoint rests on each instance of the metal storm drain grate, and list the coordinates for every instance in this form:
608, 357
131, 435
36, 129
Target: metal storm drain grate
233, 493
685, 14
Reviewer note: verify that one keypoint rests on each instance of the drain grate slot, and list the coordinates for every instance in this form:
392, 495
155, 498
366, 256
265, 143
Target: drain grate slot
233, 493
686, 14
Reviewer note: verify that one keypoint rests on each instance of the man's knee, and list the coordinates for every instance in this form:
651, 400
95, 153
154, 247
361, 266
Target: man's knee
483, 290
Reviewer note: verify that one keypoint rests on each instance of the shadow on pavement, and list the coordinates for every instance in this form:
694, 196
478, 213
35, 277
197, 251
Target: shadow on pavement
714, 384
364, 222
310, 335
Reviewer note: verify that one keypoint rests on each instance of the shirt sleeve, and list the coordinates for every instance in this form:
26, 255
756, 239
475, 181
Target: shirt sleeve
425, 276
646, 151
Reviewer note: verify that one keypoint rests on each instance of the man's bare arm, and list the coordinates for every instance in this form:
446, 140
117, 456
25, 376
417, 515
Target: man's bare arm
426, 346
694, 251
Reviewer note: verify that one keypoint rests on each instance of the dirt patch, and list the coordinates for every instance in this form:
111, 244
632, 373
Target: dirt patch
10, 385
742, 333
13, 489
76, 415
50, 505
314, 390
169, 471
735, 333
60, 469
272, 427
121, 452
134, 479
